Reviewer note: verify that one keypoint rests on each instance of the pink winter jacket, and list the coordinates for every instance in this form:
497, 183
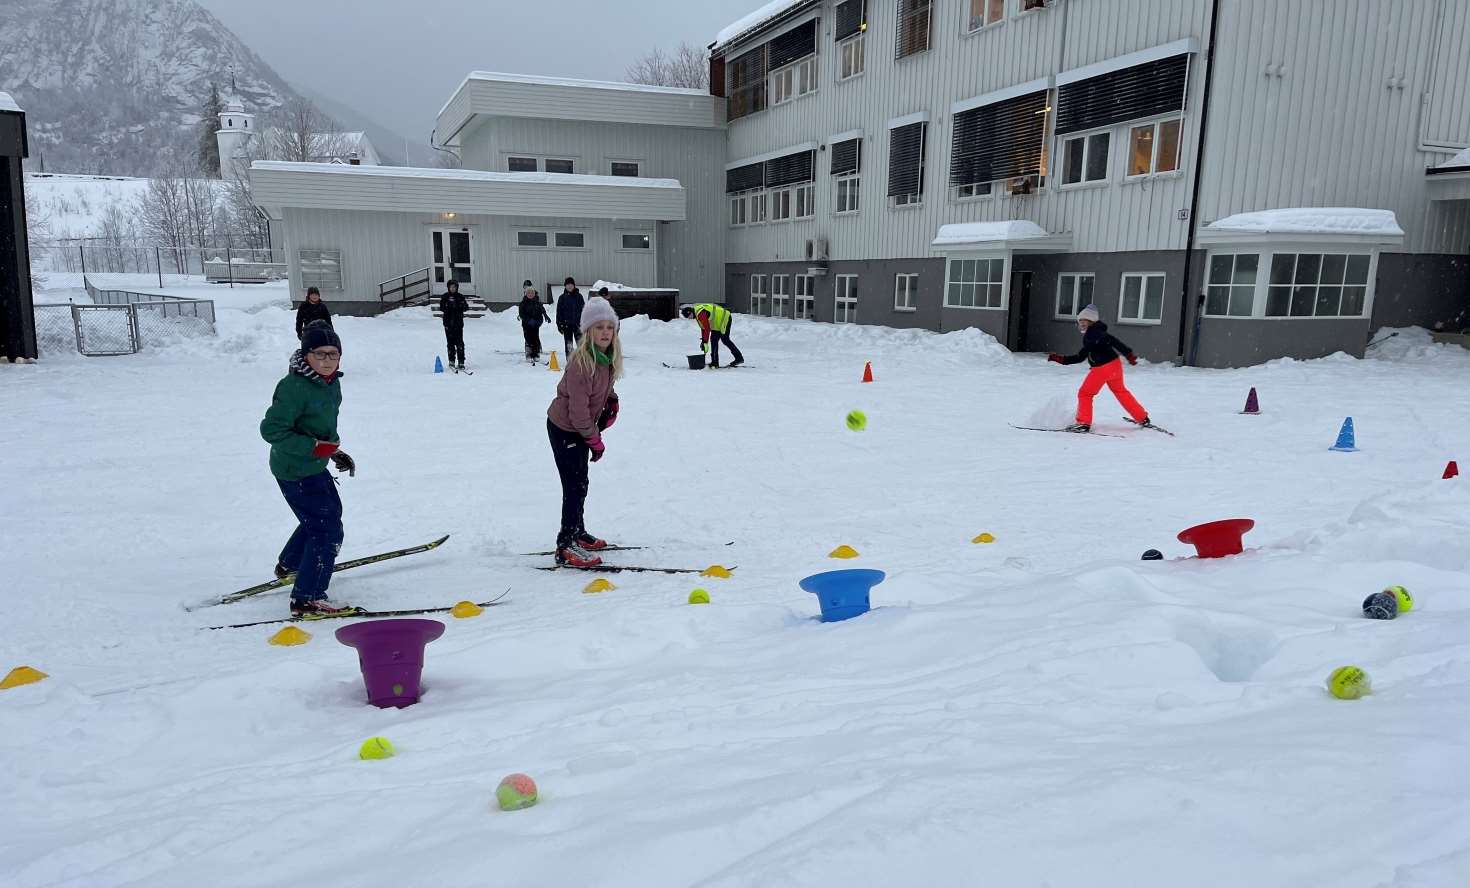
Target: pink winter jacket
580, 399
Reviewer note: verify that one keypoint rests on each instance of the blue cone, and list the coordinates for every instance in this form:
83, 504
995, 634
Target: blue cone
438, 365
1345, 442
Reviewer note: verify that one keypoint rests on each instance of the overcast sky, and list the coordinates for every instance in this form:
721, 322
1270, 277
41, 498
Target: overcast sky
398, 60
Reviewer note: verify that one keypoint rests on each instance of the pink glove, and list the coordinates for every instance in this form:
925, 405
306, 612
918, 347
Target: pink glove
597, 447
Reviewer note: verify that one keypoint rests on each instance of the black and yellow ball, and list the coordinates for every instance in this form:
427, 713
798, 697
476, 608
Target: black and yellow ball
1381, 606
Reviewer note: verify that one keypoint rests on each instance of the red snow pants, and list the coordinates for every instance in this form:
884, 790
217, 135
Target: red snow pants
1110, 375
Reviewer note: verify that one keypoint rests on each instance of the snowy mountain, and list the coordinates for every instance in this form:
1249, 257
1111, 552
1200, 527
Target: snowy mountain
117, 86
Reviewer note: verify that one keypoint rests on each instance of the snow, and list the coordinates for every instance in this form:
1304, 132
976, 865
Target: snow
7, 103
1313, 220
1046, 709
985, 232
73, 206
462, 175
754, 20
586, 84
1459, 160
623, 288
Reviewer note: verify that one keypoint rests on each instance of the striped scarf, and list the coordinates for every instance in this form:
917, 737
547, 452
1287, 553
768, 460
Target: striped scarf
303, 369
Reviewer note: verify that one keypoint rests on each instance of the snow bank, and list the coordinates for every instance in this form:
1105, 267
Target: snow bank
1313, 220
984, 232
1414, 344
616, 288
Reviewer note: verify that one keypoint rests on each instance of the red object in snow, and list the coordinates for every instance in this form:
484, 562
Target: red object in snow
1451, 470
1216, 539
868, 372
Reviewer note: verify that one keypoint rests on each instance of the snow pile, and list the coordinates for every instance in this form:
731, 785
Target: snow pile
987, 232
1313, 220
756, 19
613, 287
1414, 344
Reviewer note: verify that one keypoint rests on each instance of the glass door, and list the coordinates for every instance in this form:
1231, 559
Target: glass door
449, 259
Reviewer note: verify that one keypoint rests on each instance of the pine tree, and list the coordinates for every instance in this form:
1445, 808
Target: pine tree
208, 151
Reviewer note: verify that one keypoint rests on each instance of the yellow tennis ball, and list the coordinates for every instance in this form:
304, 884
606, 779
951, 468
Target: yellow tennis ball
1406, 601
699, 596
376, 748
1349, 683
857, 420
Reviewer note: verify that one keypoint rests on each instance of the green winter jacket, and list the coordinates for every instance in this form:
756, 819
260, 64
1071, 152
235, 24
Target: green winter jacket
303, 411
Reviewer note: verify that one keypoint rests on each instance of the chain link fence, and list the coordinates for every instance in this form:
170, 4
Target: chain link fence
121, 322
223, 265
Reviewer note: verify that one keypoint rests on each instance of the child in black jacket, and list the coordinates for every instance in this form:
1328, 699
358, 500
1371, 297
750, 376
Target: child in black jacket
1100, 349
533, 315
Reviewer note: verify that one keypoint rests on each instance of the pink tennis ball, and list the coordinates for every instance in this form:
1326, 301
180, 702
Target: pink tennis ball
516, 792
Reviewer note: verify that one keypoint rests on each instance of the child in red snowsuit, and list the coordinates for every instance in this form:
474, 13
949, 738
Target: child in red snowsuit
1101, 350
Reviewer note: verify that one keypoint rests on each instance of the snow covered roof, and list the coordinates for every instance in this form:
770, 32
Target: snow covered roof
501, 77
624, 288
1015, 234
749, 24
464, 175
7, 103
1457, 163
1315, 223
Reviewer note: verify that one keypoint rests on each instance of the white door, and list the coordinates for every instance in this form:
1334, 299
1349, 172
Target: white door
450, 250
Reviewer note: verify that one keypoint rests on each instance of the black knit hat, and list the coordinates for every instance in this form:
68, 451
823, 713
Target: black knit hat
571, 281
318, 334
527, 283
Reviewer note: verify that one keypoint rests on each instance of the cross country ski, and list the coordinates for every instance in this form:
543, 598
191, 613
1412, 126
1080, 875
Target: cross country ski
288, 579
360, 612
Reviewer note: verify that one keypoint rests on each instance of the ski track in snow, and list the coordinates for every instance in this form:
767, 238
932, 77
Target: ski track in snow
1044, 710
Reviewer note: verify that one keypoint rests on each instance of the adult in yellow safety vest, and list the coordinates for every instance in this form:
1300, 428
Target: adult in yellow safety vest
714, 322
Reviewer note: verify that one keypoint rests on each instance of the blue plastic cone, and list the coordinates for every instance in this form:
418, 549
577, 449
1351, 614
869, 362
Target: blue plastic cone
438, 365
1345, 442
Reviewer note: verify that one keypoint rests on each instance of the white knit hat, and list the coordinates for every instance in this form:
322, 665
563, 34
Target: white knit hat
1089, 314
598, 309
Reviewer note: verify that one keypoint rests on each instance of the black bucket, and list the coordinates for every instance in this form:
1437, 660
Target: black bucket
696, 362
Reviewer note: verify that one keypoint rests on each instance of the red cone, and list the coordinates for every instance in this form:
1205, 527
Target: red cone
1451, 470
1252, 406
868, 372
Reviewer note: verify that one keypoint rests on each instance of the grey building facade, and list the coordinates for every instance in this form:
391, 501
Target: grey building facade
1131, 134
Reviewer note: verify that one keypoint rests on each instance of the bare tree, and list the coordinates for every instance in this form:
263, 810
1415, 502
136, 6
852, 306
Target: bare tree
118, 225
248, 224
164, 213
300, 132
687, 66
38, 234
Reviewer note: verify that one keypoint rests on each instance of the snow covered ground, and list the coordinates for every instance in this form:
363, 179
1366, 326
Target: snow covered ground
1043, 710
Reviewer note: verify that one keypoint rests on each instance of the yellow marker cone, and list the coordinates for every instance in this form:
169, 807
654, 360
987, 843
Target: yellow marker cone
598, 585
554, 367
699, 596
716, 570
289, 636
843, 552
983, 538
22, 675
466, 609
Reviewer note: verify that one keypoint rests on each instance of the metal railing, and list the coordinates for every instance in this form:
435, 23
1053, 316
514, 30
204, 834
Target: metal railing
405, 289
121, 322
231, 265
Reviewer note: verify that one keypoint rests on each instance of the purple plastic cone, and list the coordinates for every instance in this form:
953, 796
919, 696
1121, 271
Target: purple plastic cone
390, 654
1252, 406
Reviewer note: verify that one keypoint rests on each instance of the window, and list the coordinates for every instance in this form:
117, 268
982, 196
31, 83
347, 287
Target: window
996, 142
758, 297
1232, 285
637, 241
806, 201
737, 210
530, 239
1153, 148
780, 295
1143, 298
1322, 285
797, 80
625, 168
906, 164
781, 205
967, 192
745, 83
806, 300
847, 158
757, 207
521, 164
1085, 159
986, 12
847, 195
905, 292
1028, 5
913, 27
571, 240
1074, 293
558, 165
321, 269
975, 283
850, 58
844, 310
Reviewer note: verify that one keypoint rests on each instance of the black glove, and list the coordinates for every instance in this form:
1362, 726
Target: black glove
344, 463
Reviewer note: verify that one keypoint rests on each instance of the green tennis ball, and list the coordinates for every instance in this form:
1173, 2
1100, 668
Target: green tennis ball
1349, 683
515, 792
376, 748
857, 420
1406, 601
699, 596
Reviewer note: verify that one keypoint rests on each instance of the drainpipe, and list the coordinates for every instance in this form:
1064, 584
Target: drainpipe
1187, 357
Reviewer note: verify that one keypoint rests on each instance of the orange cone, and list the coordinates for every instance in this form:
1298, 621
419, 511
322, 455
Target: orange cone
868, 372
553, 366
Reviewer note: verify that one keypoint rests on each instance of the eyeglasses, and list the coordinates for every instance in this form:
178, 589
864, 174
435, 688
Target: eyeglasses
322, 355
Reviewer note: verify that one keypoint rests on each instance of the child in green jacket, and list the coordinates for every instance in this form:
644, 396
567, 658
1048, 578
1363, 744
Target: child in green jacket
301, 427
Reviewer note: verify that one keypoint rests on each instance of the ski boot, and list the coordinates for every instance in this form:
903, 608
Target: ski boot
320, 607
588, 542
737, 362
576, 556
282, 571
1081, 428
